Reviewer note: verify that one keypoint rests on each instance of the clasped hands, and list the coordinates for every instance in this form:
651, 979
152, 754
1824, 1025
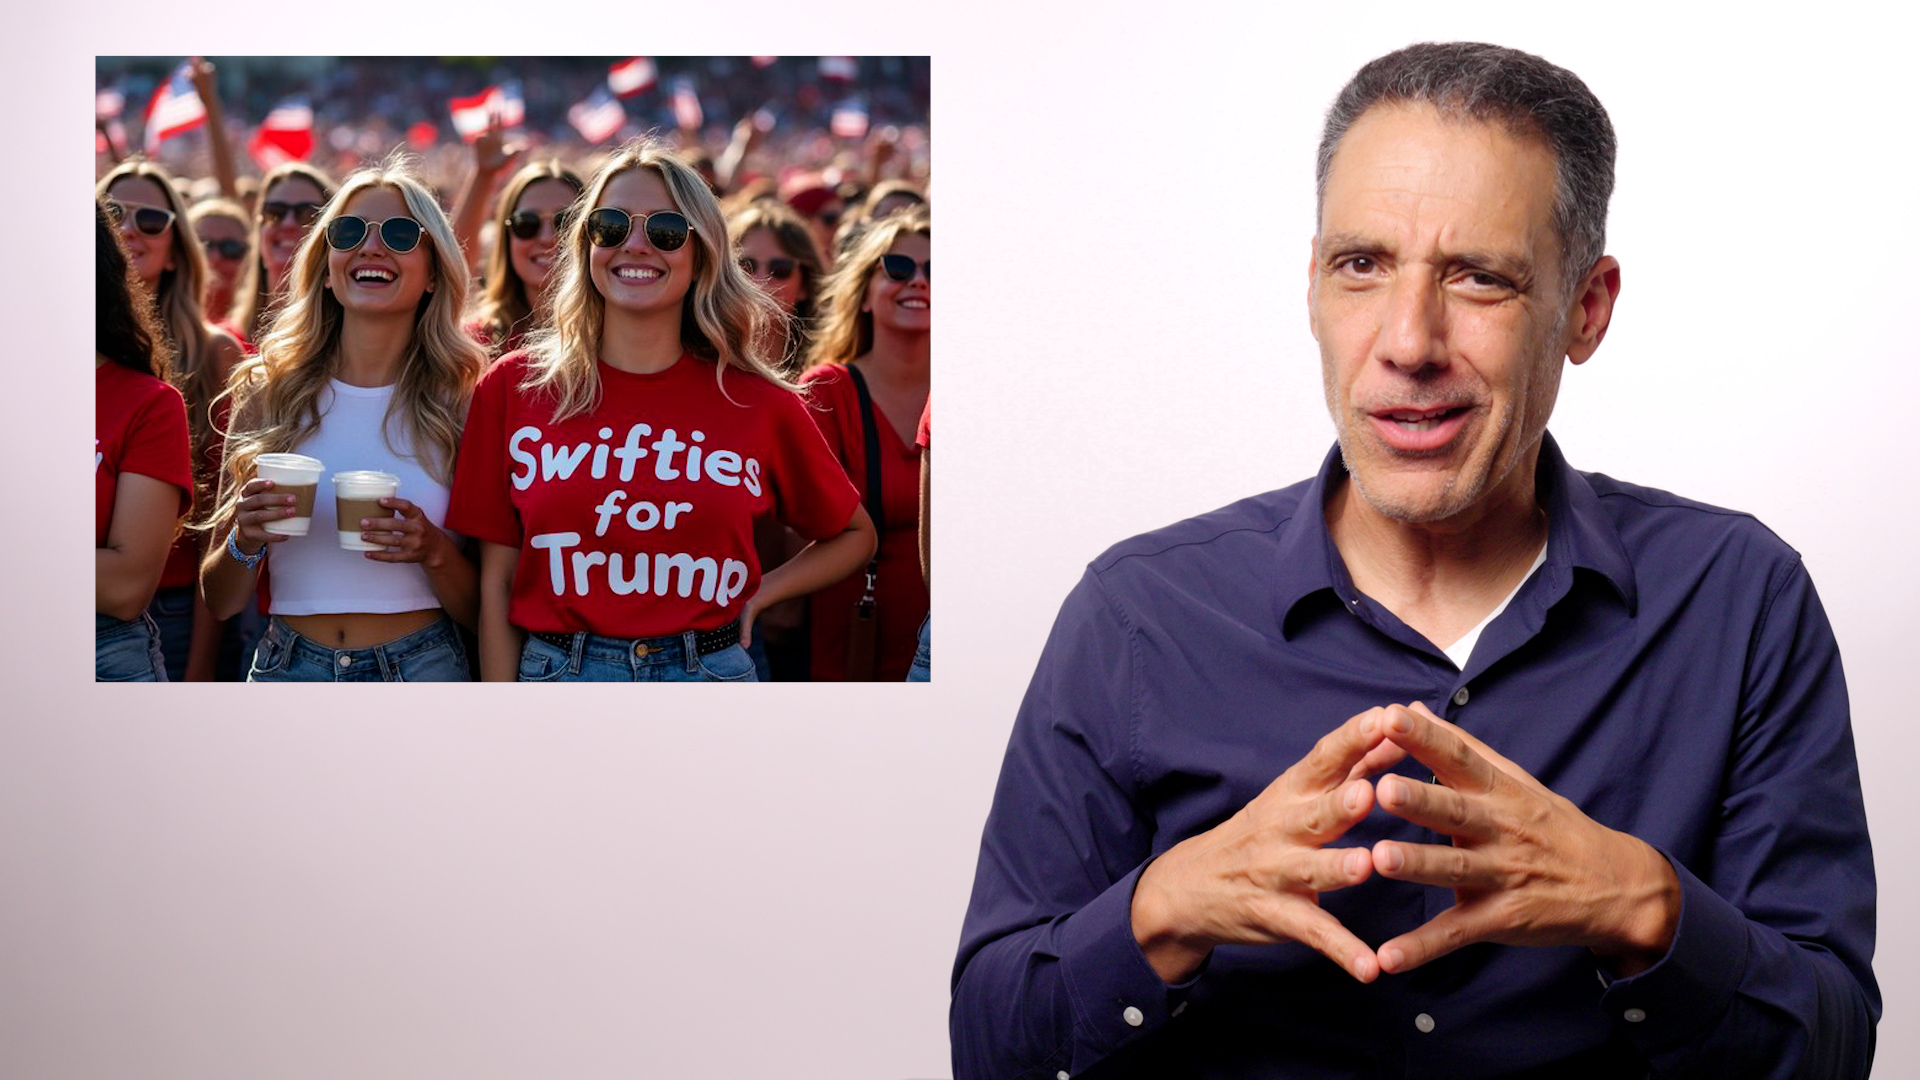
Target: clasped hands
1526, 866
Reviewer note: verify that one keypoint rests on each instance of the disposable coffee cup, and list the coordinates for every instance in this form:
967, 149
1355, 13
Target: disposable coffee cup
292, 474
357, 495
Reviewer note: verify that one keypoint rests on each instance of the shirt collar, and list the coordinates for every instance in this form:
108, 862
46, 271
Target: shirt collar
1579, 534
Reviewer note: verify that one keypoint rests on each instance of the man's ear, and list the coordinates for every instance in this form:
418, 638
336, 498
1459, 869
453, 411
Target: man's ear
1592, 310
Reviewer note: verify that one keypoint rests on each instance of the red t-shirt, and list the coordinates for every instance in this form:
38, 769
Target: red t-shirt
140, 426
636, 519
901, 596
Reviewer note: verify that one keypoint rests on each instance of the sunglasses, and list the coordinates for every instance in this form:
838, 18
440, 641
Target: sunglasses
900, 268
777, 269
228, 248
666, 230
525, 224
399, 234
304, 213
150, 220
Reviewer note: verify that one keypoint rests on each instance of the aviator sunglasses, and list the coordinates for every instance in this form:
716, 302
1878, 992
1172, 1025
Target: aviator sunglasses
150, 220
229, 248
303, 213
399, 234
777, 269
666, 230
525, 224
900, 267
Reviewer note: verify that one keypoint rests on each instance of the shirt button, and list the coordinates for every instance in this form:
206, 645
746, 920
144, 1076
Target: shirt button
1133, 1017
1423, 1022
1633, 1016
1460, 696
640, 650
346, 661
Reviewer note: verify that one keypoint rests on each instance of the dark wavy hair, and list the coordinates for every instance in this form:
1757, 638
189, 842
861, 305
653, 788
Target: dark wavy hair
125, 329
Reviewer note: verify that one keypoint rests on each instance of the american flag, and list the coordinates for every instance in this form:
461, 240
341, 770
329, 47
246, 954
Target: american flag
598, 117
285, 135
496, 106
686, 106
631, 76
838, 68
175, 108
849, 120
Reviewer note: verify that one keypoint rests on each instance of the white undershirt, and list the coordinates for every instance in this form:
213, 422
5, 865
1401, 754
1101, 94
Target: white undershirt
1461, 651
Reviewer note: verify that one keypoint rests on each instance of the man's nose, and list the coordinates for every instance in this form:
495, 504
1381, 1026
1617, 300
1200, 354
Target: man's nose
1413, 326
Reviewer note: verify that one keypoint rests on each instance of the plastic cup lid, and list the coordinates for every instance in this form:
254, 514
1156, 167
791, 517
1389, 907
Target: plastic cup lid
290, 461
369, 477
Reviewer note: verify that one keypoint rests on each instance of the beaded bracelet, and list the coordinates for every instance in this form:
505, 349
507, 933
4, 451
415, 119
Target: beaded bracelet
241, 557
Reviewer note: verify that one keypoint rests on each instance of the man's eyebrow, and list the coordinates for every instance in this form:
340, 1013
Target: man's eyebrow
1350, 244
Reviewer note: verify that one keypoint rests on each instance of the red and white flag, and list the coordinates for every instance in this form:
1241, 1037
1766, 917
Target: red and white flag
285, 135
598, 117
111, 141
174, 109
838, 68
631, 76
108, 102
686, 106
849, 120
496, 106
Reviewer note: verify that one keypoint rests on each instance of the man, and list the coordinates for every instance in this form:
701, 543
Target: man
1452, 761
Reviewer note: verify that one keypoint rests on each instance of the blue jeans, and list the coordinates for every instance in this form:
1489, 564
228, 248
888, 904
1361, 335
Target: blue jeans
602, 659
922, 669
172, 612
430, 654
127, 650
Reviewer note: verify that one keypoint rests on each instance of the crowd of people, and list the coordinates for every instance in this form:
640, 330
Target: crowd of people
652, 413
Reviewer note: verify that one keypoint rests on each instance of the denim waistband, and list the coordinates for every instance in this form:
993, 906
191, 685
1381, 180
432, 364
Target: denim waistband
387, 655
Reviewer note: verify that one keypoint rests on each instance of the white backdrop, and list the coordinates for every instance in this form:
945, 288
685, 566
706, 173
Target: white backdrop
488, 882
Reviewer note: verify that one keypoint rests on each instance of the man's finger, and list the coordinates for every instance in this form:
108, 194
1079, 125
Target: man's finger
1337, 752
1323, 933
1378, 760
1326, 817
1432, 806
1452, 929
1500, 761
1443, 751
1326, 869
1435, 864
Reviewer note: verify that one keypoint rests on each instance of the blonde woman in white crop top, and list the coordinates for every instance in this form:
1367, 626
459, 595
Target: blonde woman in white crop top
366, 368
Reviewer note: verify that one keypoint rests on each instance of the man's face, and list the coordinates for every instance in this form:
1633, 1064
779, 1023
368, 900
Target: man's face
1435, 297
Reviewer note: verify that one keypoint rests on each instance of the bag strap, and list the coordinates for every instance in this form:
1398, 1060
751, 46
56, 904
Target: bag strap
871, 434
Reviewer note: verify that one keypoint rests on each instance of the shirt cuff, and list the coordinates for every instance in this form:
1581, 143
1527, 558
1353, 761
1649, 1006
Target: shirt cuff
1115, 990
1682, 997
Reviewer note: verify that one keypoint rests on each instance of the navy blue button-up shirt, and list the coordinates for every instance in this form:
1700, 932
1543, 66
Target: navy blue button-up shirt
1668, 669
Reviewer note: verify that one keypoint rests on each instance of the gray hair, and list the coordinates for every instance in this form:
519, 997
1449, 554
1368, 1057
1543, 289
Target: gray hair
1490, 84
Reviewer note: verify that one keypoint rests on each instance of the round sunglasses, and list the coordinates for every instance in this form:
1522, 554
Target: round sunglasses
900, 267
777, 269
150, 220
666, 230
227, 248
303, 213
525, 224
399, 234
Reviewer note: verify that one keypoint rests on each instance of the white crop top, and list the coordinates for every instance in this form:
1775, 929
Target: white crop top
313, 574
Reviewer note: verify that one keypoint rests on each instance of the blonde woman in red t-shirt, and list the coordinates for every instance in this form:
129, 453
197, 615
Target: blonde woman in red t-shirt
614, 470
166, 255
876, 324
367, 369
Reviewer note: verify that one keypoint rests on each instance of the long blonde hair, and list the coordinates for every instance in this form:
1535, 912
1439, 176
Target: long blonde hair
176, 300
504, 305
277, 393
720, 319
841, 330
252, 307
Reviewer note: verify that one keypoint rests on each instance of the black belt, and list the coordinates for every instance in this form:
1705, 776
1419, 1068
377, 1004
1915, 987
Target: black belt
704, 641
